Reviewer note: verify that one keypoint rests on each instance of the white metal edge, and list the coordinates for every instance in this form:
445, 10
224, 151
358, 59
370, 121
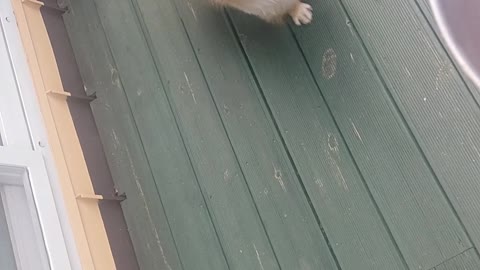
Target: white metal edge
452, 47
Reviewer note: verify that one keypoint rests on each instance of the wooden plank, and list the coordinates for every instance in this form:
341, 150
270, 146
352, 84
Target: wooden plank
240, 229
150, 239
83, 38
466, 261
439, 108
230, 204
149, 230
189, 219
350, 218
419, 216
295, 235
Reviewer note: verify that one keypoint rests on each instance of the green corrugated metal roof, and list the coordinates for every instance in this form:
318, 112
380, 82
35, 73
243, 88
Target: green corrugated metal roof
349, 143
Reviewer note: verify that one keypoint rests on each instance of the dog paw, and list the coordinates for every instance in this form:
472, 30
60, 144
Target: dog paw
302, 14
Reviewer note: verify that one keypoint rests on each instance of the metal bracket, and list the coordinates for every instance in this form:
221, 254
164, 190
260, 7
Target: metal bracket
69, 95
119, 197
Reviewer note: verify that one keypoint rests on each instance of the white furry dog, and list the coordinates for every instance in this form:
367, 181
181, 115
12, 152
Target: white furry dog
273, 11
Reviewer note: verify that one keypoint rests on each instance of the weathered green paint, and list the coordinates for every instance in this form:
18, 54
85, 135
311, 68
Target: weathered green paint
175, 179
336, 189
363, 108
438, 107
241, 232
295, 235
149, 229
467, 260
347, 144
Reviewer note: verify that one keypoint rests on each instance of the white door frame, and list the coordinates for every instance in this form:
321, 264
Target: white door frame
38, 238
25, 158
